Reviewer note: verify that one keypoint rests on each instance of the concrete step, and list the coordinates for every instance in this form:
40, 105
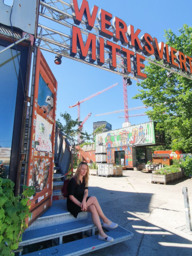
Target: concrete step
57, 195
56, 231
86, 245
57, 176
57, 185
56, 214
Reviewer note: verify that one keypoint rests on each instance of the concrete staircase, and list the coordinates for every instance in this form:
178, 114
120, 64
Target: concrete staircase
57, 223
57, 184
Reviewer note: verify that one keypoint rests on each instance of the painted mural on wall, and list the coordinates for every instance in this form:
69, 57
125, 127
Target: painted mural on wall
43, 135
40, 173
123, 140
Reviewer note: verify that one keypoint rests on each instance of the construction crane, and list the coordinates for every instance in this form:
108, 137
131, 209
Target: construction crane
134, 115
125, 84
81, 126
122, 110
88, 98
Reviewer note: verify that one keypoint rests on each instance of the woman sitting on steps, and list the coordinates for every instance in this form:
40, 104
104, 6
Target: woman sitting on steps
78, 201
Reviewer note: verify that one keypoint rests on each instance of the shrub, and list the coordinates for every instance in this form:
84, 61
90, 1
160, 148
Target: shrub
176, 162
187, 166
13, 214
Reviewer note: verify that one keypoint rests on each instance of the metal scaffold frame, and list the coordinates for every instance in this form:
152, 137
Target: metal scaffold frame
56, 42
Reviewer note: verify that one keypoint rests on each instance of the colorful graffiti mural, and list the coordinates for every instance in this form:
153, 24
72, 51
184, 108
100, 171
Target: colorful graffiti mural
142, 134
124, 139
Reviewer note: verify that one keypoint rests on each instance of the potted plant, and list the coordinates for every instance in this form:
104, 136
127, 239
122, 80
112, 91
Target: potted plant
166, 174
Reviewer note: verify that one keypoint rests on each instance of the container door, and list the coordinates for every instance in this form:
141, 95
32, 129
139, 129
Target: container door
42, 138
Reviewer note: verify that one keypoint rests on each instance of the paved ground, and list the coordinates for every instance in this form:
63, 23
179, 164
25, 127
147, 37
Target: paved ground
154, 213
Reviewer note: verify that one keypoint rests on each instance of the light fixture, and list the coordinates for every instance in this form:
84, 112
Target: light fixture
58, 59
129, 82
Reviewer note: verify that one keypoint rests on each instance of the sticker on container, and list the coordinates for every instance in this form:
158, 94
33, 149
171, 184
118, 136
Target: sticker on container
46, 194
34, 122
45, 206
47, 185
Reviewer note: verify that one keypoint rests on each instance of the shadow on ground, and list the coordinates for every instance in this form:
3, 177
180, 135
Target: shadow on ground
132, 211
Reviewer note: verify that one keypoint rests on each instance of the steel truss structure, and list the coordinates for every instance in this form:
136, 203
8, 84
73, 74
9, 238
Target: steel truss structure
54, 41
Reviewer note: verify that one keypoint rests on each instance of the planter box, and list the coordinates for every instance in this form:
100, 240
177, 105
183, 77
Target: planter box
117, 171
166, 178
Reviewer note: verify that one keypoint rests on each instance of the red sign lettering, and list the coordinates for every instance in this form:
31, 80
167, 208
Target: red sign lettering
140, 66
172, 55
189, 64
105, 18
77, 41
120, 31
158, 48
100, 52
134, 40
84, 10
182, 61
128, 54
114, 48
147, 44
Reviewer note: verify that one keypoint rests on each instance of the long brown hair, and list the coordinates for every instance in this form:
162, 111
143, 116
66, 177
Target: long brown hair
86, 178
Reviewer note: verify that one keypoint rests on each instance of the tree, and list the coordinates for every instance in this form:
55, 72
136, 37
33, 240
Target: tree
71, 129
100, 129
171, 97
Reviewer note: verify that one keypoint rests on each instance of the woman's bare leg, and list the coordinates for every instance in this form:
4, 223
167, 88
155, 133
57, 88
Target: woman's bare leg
93, 201
96, 220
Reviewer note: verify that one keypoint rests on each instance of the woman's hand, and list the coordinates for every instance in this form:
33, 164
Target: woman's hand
83, 206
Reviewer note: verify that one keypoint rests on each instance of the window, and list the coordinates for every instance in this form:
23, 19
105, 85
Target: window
9, 73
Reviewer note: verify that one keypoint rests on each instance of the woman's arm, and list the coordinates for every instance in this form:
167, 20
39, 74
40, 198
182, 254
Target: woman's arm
84, 205
75, 201
85, 195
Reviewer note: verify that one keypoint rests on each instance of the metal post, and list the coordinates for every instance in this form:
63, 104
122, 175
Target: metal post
25, 37
60, 240
187, 209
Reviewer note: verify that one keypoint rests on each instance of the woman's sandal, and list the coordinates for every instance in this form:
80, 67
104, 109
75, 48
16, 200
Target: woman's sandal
107, 239
112, 225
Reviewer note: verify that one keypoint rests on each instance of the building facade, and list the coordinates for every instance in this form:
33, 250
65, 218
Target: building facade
108, 126
128, 146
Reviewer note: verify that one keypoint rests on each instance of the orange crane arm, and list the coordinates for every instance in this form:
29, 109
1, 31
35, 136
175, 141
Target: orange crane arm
88, 98
122, 110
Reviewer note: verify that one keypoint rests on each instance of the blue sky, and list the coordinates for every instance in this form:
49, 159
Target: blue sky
77, 81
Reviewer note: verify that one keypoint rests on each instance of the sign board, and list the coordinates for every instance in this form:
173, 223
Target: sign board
126, 41
41, 154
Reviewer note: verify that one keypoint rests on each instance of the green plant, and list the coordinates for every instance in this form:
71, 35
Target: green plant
13, 214
187, 166
176, 162
149, 162
93, 166
168, 169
